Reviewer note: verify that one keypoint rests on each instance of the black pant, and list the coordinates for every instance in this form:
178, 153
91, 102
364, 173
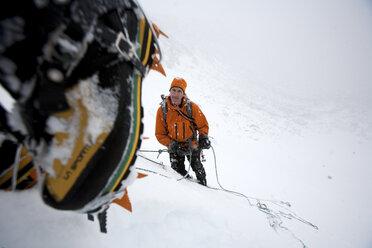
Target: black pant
178, 164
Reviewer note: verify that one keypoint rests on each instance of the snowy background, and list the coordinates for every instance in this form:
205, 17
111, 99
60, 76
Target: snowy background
286, 88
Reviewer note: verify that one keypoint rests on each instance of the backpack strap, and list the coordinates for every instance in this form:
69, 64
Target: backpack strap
164, 107
189, 107
189, 112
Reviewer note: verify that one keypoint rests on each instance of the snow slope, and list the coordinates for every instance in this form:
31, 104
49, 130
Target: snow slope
285, 87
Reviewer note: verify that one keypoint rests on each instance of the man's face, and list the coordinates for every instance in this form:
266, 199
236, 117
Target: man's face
176, 95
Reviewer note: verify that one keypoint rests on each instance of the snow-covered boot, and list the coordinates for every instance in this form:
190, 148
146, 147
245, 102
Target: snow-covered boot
197, 167
179, 169
75, 71
200, 175
178, 164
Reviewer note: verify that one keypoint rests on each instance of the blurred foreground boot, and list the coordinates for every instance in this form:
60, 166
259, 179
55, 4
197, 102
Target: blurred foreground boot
75, 71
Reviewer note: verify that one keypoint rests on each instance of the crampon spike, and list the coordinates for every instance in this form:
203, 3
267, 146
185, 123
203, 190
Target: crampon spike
102, 219
141, 175
158, 31
124, 201
157, 66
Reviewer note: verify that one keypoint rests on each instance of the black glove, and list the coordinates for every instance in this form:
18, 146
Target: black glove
204, 142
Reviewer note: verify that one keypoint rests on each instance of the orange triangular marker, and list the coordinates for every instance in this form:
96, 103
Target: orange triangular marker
140, 175
124, 201
158, 31
157, 66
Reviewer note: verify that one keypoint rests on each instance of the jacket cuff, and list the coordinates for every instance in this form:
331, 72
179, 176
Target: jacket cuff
203, 136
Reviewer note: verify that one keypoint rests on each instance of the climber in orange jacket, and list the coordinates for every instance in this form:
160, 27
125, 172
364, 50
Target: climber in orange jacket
183, 128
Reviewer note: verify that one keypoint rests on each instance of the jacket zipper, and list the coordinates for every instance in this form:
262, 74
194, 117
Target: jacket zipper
175, 126
183, 130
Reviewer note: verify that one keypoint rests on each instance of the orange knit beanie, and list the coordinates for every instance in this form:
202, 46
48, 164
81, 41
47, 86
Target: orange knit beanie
180, 83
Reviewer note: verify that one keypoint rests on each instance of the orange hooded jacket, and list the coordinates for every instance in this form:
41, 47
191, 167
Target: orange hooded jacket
177, 127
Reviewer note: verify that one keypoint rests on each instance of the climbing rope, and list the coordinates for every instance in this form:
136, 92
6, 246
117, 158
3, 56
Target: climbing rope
160, 151
275, 217
217, 177
260, 202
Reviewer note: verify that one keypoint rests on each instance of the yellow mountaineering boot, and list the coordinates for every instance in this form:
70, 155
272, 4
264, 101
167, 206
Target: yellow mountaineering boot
79, 68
